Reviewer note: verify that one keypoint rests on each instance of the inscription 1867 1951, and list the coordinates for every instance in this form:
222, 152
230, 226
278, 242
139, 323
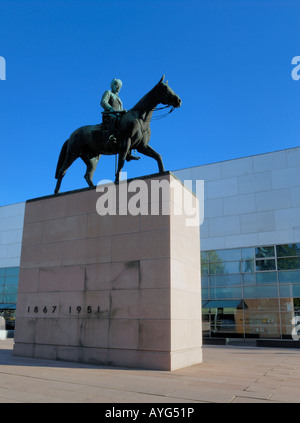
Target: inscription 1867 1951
50, 309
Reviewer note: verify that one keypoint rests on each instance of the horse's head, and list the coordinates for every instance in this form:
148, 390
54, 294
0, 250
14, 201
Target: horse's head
166, 95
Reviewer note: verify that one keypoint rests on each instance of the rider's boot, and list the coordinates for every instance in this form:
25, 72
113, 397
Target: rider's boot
110, 139
130, 157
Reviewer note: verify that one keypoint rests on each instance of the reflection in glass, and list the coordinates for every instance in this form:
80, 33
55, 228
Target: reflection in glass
266, 277
296, 302
289, 290
225, 280
263, 265
262, 331
223, 293
268, 291
261, 252
10, 289
263, 280
292, 276
288, 263
286, 305
247, 266
204, 256
205, 293
248, 253
225, 255
216, 268
223, 318
12, 280
204, 281
10, 298
12, 271
288, 250
225, 267
262, 318
249, 278
204, 268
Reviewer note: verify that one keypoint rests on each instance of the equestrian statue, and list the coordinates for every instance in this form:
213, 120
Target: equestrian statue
120, 132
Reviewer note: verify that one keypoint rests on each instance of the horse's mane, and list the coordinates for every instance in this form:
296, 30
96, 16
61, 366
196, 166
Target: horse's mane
145, 102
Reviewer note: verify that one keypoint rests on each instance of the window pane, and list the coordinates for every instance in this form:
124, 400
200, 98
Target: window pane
287, 305
10, 289
204, 281
248, 266
12, 271
222, 293
216, 268
289, 276
288, 263
266, 277
296, 302
204, 256
225, 280
11, 280
288, 250
204, 268
260, 291
10, 298
248, 253
249, 279
262, 305
289, 290
226, 267
263, 265
205, 293
261, 252
264, 330
225, 255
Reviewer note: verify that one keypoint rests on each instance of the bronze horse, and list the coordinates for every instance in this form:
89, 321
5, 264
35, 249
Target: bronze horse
88, 142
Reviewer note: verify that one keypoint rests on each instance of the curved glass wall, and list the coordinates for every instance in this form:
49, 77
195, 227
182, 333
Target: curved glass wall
9, 277
251, 292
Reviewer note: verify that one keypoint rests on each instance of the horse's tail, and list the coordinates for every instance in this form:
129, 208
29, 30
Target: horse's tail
61, 158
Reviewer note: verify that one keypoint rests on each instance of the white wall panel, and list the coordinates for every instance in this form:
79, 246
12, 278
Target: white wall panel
251, 201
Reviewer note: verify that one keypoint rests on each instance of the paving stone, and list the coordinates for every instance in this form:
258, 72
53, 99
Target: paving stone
228, 374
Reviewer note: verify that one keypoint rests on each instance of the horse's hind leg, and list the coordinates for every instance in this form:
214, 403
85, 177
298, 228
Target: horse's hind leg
122, 156
58, 183
62, 171
91, 165
148, 151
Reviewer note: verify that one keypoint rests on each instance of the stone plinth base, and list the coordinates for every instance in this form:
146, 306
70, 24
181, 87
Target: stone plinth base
118, 289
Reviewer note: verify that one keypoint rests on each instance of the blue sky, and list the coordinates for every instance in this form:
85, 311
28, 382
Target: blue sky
228, 60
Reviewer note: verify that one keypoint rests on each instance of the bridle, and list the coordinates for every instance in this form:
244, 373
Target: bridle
165, 114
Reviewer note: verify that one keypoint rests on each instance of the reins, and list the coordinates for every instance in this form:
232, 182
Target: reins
164, 115
120, 112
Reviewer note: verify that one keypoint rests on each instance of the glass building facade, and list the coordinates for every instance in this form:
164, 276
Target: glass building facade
8, 294
251, 292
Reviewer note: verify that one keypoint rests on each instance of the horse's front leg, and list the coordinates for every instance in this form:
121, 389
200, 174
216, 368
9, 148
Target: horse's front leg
91, 165
122, 156
148, 151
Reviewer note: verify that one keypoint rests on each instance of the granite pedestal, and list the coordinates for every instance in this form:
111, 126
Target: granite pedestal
114, 289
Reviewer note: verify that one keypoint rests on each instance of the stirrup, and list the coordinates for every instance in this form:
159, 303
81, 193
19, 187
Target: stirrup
112, 139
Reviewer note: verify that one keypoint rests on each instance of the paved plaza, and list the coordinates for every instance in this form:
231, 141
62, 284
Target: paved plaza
228, 374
